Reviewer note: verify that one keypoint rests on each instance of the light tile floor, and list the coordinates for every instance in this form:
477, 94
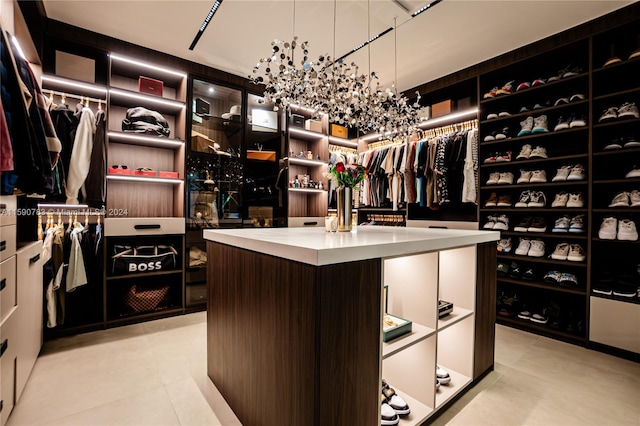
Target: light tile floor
155, 374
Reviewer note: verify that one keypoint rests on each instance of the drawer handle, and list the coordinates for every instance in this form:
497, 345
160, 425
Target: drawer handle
3, 284
310, 223
1, 404
4, 346
149, 226
35, 258
3, 245
3, 209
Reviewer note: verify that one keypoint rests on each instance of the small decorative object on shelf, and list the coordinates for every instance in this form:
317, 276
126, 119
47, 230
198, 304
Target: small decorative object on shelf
346, 178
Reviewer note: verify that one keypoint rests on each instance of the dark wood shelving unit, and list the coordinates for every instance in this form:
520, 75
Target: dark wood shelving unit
543, 259
526, 162
543, 285
540, 329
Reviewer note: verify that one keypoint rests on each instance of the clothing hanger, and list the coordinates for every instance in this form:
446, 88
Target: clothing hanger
86, 220
99, 104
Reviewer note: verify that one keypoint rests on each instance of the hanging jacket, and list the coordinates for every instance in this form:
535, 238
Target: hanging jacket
81, 155
96, 180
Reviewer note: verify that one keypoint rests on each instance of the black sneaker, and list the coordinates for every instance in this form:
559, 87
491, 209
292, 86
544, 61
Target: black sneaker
556, 319
524, 224
502, 269
508, 306
530, 274
540, 317
515, 272
538, 224
603, 284
625, 286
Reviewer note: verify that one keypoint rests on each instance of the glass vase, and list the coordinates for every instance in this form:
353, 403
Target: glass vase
344, 195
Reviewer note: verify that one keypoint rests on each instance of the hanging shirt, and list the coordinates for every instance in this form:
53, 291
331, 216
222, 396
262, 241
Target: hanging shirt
81, 155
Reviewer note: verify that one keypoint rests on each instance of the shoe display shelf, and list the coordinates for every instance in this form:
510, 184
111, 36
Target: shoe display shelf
408, 362
615, 274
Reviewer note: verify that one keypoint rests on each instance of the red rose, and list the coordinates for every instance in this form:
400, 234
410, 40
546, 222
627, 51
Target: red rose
340, 167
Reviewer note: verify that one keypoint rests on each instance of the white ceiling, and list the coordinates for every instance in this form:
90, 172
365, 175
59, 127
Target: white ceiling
451, 36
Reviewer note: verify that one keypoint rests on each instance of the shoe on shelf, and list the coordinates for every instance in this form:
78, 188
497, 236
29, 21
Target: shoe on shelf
502, 134
628, 110
526, 126
568, 280
577, 224
562, 174
614, 144
540, 317
525, 197
632, 142
491, 93
530, 274
505, 178
504, 201
560, 199
493, 178
562, 224
536, 249
525, 314
575, 200
627, 230
576, 253
621, 199
603, 284
552, 277
394, 400
624, 288
577, 97
539, 152
540, 125
506, 89
491, 222
571, 71
634, 54
634, 197
492, 115
389, 417
523, 247
577, 173
538, 224
491, 158
561, 101
612, 60
524, 224
538, 82
502, 269
577, 121
538, 176
506, 156
540, 106
525, 176
538, 199
492, 201
525, 152
562, 124
608, 228
523, 85
515, 271
608, 114
443, 377
524, 109
501, 223
633, 173
491, 136
561, 251
504, 114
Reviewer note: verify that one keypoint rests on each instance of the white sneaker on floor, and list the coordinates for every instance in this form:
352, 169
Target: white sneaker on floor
608, 228
627, 230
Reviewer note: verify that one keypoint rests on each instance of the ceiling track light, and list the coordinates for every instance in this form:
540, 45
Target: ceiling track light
424, 8
361, 45
205, 23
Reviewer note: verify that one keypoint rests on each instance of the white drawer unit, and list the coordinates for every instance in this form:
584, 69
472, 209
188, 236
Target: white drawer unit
143, 226
8, 361
7, 241
615, 323
8, 301
8, 210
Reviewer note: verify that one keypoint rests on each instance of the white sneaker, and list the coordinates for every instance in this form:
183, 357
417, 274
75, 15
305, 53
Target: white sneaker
536, 249
562, 224
538, 176
525, 176
501, 222
633, 173
561, 252
620, 200
539, 152
627, 230
523, 247
540, 125
635, 198
443, 377
577, 224
577, 173
526, 126
505, 178
525, 197
562, 174
575, 200
608, 228
576, 253
491, 222
525, 152
538, 199
628, 109
493, 178
609, 114
389, 416
560, 200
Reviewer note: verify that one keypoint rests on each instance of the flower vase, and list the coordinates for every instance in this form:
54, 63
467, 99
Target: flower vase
344, 208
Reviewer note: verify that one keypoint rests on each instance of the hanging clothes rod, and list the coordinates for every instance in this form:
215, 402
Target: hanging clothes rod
343, 149
71, 95
386, 143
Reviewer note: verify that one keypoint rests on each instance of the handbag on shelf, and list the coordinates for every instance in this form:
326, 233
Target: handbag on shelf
143, 299
138, 259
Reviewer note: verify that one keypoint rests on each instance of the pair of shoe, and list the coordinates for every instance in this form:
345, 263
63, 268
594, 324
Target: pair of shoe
532, 199
531, 126
507, 89
616, 60
497, 178
497, 135
531, 248
564, 279
570, 173
534, 83
571, 122
531, 224
498, 201
392, 405
527, 153
528, 274
493, 115
627, 110
568, 224
539, 317
497, 222
623, 142
568, 199
505, 245
573, 98
535, 176
624, 230
498, 157
626, 199
621, 284
507, 304
570, 252
569, 71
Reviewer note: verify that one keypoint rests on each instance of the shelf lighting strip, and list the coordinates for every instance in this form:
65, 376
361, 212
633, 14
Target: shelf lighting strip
305, 132
65, 206
144, 179
340, 141
448, 118
174, 104
307, 190
146, 65
294, 160
151, 139
74, 84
